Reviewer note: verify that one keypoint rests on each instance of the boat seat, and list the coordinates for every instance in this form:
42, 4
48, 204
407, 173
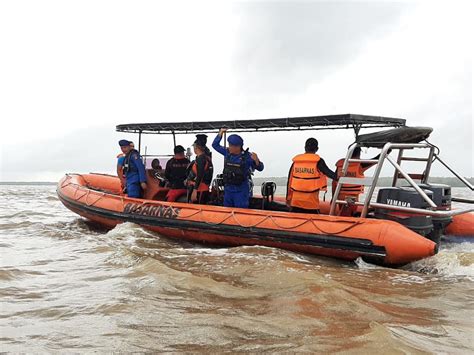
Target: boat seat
155, 189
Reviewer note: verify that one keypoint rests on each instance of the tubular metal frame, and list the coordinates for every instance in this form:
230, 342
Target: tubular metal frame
372, 181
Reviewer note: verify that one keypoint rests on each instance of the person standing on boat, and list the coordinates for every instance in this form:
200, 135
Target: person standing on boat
307, 176
200, 173
175, 174
238, 165
355, 170
120, 160
202, 139
134, 170
120, 174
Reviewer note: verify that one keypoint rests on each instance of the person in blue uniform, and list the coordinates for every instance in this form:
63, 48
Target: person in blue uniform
134, 170
238, 165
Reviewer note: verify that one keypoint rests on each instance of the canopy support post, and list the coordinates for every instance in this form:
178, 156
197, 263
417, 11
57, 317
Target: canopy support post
139, 140
174, 138
225, 144
357, 128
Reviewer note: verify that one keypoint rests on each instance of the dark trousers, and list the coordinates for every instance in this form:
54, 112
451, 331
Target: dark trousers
202, 197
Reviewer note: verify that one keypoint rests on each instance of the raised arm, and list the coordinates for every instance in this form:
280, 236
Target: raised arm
216, 143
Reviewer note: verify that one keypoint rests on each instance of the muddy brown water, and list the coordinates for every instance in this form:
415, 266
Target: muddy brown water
66, 286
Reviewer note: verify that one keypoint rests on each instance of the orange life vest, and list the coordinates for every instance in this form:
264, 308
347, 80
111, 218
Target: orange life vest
305, 182
207, 167
354, 170
206, 179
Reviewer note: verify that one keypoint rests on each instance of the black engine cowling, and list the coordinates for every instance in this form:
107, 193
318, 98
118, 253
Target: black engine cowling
405, 197
441, 195
442, 199
428, 226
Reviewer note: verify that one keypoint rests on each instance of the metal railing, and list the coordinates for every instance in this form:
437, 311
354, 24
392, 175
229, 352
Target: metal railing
371, 182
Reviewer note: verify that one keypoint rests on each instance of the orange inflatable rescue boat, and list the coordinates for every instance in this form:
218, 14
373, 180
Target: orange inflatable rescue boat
383, 232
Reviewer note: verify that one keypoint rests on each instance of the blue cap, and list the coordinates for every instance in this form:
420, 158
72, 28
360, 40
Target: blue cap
124, 143
235, 139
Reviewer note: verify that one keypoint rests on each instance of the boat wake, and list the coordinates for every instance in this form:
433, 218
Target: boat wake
454, 260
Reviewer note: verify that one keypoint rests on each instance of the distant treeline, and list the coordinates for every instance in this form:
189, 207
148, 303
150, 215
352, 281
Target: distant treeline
383, 181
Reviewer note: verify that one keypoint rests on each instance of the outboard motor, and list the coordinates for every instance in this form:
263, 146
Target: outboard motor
405, 197
268, 192
442, 199
441, 195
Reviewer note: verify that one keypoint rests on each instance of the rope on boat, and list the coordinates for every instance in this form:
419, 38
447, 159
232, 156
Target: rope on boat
274, 221
352, 225
200, 212
232, 214
75, 193
88, 188
68, 181
93, 203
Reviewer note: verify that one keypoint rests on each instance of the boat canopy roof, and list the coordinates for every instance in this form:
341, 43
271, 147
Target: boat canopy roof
345, 121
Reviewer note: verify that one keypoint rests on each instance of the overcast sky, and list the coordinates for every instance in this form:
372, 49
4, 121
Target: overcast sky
72, 70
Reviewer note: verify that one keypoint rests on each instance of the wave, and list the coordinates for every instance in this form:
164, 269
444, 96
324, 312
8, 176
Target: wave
454, 260
11, 273
27, 214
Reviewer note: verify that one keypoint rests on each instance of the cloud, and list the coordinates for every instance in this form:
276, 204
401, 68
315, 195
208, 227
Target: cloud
66, 85
285, 46
84, 150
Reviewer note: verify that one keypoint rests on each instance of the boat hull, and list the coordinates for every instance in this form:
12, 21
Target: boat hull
461, 226
96, 197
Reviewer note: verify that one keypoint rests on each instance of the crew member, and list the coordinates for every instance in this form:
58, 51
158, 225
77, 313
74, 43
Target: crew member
200, 174
307, 176
133, 169
238, 165
120, 160
175, 174
202, 139
157, 172
355, 170
156, 165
